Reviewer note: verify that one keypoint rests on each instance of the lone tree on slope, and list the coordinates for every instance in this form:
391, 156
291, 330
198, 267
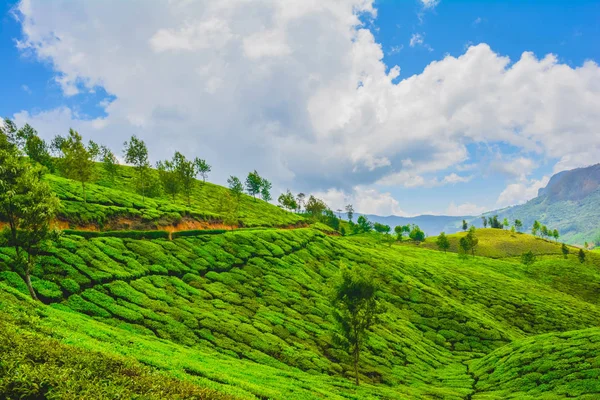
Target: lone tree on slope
28, 206
136, 153
356, 308
442, 242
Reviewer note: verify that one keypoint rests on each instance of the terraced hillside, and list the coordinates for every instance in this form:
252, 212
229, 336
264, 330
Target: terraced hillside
247, 314
113, 204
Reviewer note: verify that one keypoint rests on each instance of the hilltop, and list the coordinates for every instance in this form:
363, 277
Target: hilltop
113, 204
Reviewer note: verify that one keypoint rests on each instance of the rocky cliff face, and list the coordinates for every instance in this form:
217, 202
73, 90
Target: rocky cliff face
573, 185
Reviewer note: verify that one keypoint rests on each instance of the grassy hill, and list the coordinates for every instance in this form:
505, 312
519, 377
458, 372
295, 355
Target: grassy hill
113, 205
247, 314
500, 243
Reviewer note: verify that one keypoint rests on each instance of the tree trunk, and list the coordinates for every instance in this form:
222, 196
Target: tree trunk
28, 282
356, 356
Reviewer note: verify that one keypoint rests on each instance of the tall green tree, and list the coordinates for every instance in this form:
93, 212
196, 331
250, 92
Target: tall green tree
469, 242
77, 162
505, 223
136, 154
203, 168
565, 250
287, 201
465, 226
28, 206
235, 187
109, 163
381, 228
536, 227
518, 225
485, 221
168, 177
442, 242
349, 212
265, 190
416, 234
186, 172
315, 207
356, 308
300, 197
528, 258
253, 184
364, 225
36, 148
581, 256
398, 229
555, 234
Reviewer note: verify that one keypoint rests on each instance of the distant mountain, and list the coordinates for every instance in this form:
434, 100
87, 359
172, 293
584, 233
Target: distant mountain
570, 203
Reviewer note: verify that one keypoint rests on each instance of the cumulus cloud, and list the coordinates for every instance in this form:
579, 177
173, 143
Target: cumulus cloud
430, 3
299, 91
364, 201
416, 39
521, 192
464, 209
516, 167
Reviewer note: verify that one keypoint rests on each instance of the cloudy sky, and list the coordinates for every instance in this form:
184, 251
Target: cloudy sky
399, 107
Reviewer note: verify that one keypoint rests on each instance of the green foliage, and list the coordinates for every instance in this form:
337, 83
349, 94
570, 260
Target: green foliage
287, 201
381, 228
109, 163
442, 242
253, 306
528, 258
28, 206
77, 161
253, 183
416, 234
202, 167
265, 190
356, 310
235, 186
136, 153
349, 211
565, 250
168, 177
581, 256
315, 207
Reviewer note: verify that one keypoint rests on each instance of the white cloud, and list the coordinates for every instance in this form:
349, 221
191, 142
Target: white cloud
477, 21
516, 167
364, 201
430, 3
416, 39
26, 89
299, 91
454, 178
518, 193
395, 50
464, 209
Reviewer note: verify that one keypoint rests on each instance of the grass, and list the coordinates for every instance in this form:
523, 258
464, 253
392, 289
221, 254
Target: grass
114, 205
256, 302
135, 312
500, 243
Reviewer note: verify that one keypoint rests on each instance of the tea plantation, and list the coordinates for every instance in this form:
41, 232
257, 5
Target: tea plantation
114, 204
247, 314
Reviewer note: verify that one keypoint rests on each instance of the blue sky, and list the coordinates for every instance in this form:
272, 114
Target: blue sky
288, 106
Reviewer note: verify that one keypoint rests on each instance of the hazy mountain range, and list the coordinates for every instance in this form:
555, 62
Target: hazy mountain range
570, 203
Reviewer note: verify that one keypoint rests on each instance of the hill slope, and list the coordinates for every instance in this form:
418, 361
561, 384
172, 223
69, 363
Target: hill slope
115, 205
247, 313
